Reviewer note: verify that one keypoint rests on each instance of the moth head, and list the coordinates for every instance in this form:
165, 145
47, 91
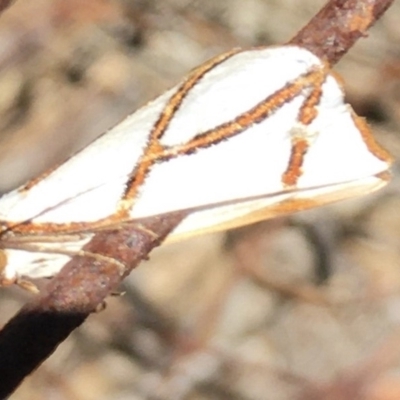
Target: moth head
4, 280
8, 278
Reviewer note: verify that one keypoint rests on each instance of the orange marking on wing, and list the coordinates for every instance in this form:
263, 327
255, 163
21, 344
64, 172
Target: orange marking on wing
373, 146
54, 229
257, 114
300, 144
155, 150
177, 98
294, 169
308, 111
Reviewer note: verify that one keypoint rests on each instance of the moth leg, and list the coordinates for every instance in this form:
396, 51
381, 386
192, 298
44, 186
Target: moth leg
137, 225
22, 283
151, 233
117, 294
100, 307
99, 257
27, 285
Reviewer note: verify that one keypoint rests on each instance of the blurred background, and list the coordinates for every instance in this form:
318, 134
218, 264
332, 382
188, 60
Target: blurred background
304, 307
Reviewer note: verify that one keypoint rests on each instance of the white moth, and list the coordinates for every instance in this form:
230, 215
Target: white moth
246, 136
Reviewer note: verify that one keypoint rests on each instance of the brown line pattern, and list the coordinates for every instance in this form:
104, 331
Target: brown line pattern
213, 136
308, 111
183, 90
258, 113
155, 152
300, 144
369, 139
294, 171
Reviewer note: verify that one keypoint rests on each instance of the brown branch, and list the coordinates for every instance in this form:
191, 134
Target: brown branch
332, 32
83, 284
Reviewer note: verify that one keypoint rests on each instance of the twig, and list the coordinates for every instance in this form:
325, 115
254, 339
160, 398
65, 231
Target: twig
36, 331
332, 32
81, 286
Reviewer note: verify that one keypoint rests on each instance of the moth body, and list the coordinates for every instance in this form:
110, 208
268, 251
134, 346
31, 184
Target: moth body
248, 135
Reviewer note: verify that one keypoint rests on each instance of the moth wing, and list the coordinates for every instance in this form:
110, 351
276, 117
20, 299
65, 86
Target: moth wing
246, 168
89, 185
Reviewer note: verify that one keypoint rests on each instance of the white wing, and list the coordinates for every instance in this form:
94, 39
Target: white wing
222, 143
89, 186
